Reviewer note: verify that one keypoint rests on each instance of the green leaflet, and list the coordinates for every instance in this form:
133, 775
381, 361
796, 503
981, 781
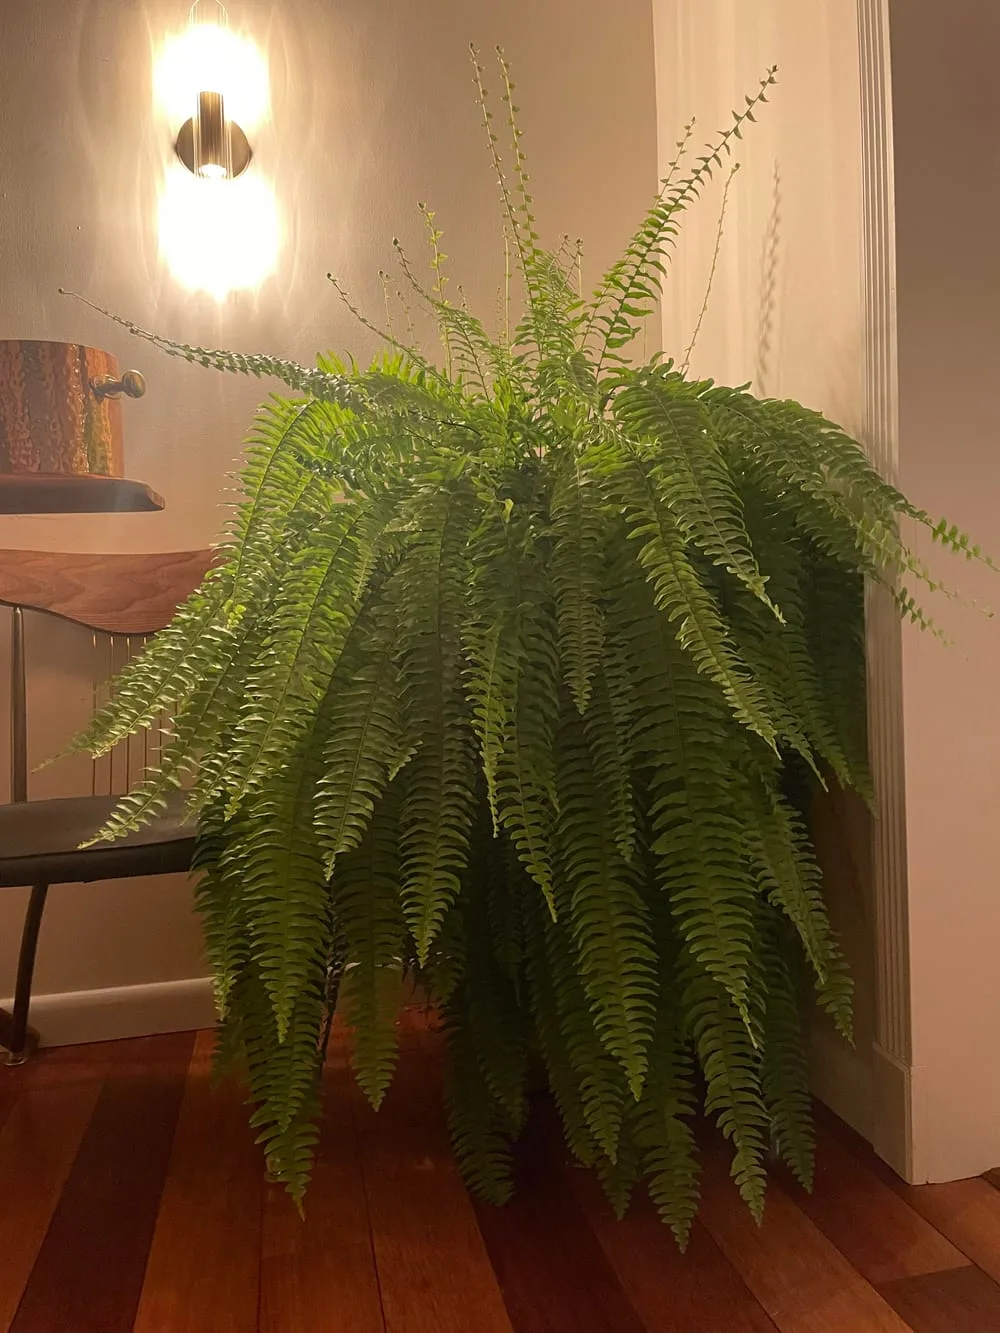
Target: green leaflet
515, 680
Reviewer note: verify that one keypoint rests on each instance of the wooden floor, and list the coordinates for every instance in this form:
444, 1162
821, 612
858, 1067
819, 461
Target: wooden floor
131, 1197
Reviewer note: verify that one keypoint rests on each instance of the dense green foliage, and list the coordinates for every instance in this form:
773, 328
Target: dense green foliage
511, 679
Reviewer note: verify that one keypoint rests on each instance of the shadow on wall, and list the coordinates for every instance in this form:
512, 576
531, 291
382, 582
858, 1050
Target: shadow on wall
770, 265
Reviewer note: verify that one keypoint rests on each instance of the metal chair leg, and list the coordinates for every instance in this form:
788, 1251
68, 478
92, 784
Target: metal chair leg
17, 1045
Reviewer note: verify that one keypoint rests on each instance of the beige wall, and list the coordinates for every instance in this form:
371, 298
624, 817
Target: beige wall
946, 107
786, 310
372, 111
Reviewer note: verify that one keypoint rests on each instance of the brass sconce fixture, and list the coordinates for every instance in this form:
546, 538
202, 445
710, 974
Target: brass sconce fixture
210, 144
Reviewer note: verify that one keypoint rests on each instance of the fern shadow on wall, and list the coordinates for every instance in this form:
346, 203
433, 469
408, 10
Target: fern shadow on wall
770, 266
511, 679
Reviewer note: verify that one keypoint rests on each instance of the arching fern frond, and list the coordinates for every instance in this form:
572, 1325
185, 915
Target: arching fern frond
369, 922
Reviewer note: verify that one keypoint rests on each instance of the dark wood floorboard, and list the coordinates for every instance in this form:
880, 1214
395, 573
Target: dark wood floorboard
203, 1273
66, 1066
434, 1272
132, 1198
959, 1300
872, 1226
89, 1271
553, 1273
319, 1272
698, 1291
965, 1212
37, 1146
800, 1277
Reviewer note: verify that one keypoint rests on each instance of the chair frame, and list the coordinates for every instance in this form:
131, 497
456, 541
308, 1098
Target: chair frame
71, 599
14, 1033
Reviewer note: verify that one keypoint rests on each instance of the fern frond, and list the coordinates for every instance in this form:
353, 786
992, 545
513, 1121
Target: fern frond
486, 1005
577, 576
691, 476
479, 1130
734, 1096
661, 1128
527, 800
603, 1092
779, 847
628, 291
696, 833
660, 1124
284, 1076
680, 595
284, 884
784, 1062
606, 914
437, 804
330, 388
545, 998
609, 725
303, 648
493, 642
219, 903
167, 669
369, 923
363, 747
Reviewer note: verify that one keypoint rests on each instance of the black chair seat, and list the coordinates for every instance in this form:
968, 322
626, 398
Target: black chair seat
40, 842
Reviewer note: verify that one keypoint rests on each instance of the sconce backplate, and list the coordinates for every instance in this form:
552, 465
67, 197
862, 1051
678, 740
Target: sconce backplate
241, 151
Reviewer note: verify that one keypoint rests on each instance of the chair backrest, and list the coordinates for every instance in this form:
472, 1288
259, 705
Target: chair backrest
123, 598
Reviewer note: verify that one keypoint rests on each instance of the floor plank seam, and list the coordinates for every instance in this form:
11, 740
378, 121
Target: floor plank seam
368, 1212
100, 1084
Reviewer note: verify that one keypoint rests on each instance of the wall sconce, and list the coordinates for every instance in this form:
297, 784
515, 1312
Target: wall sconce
219, 223
210, 143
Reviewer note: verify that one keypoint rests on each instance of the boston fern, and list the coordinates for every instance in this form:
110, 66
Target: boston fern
511, 680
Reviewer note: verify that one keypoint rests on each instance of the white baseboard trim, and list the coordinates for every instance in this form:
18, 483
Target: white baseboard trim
841, 1077
122, 1011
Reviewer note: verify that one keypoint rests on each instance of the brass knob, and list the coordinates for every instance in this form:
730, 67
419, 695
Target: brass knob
132, 384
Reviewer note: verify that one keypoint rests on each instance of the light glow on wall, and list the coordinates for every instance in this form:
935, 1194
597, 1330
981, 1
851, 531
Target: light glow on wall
218, 236
206, 57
